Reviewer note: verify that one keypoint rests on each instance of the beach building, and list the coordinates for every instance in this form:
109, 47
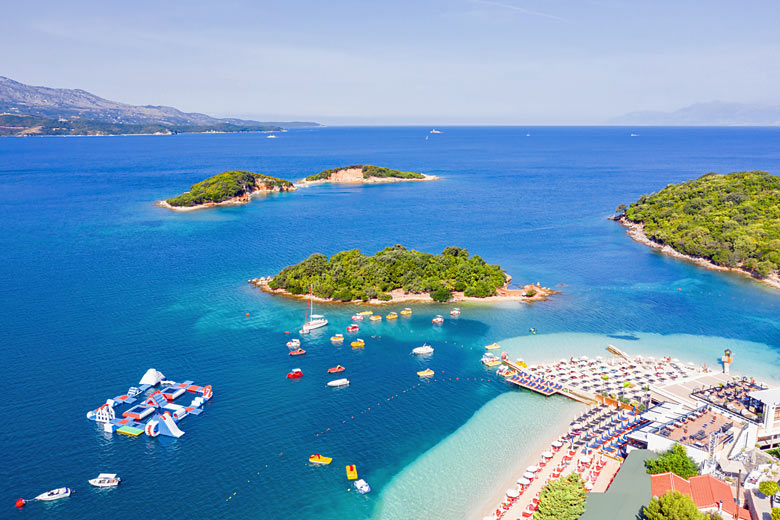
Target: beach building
769, 419
628, 494
707, 492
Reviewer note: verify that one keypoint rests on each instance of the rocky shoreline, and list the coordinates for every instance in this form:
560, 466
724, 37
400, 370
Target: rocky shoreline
636, 230
504, 294
241, 199
355, 176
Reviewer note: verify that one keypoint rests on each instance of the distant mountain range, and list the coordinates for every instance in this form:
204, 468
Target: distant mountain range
59, 111
714, 113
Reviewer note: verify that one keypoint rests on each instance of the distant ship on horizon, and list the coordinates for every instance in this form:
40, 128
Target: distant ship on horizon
434, 131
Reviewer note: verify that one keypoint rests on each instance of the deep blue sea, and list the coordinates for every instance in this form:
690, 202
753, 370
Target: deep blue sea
97, 285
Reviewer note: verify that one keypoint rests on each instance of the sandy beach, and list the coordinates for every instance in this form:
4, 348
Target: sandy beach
504, 294
636, 230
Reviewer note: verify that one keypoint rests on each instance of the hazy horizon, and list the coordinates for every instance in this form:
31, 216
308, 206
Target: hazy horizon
466, 62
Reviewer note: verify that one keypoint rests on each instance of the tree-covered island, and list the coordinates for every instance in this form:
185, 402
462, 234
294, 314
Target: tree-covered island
724, 221
229, 187
366, 173
399, 274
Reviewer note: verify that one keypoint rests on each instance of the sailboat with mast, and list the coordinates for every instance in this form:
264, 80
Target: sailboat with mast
312, 321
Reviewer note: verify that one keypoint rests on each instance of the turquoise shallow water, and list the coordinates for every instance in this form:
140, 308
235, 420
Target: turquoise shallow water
99, 285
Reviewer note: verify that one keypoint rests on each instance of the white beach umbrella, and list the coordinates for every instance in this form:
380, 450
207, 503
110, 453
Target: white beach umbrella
532, 469
556, 444
547, 454
529, 475
584, 357
523, 481
512, 493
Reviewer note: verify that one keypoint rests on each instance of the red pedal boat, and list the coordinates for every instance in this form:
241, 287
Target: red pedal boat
295, 373
297, 352
337, 368
353, 328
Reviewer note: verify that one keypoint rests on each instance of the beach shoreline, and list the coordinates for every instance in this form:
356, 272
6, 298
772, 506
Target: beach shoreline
355, 176
504, 294
636, 230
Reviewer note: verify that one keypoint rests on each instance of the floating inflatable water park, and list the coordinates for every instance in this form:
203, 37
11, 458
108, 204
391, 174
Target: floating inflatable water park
153, 399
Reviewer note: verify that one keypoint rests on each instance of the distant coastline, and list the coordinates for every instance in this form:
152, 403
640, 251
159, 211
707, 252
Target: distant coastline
636, 231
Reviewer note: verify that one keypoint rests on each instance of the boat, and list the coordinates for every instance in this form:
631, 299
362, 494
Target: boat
392, 316
455, 312
425, 373
634, 135
424, 349
490, 360
55, 494
294, 343
434, 131
297, 352
406, 312
295, 373
357, 317
375, 317
353, 328
339, 382
105, 480
351, 472
366, 313
320, 459
438, 320
338, 338
312, 321
272, 136
505, 371
336, 369
362, 486
358, 343
492, 346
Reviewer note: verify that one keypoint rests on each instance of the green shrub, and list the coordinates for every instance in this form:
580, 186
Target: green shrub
673, 506
562, 499
769, 487
675, 460
775, 513
225, 186
441, 295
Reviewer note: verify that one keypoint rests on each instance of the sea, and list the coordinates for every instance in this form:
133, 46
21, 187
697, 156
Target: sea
99, 285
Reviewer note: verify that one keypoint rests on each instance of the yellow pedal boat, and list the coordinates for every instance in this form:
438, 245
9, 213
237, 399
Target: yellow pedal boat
358, 343
492, 346
375, 317
406, 312
392, 316
366, 313
338, 338
351, 472
425, 373
320, 459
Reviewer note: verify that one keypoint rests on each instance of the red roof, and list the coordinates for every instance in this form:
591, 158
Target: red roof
706, 491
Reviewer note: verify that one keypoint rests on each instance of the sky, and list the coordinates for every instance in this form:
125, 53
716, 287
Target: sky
401, 62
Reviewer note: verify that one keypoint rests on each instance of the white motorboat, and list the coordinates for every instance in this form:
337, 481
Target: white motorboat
294, 343
272, 136
438, 320
425, 349
357, 317
312, 321
455, 312
362, 486
434, 131
55, 494
339, 382
105, 480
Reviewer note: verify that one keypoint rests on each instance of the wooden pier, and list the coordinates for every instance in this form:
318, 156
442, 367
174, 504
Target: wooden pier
541, 385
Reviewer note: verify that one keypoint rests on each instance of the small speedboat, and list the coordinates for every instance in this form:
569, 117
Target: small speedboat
362, 486
294, 343
336, 369
295, 373
353, 328
357, 317
376, 317
297, 352
358, 343
339, 382
392, 316
438, 320
55, 494
338, 338
425, 349
425, 373
320, 459
406, 312
105, 480
455, 312
351, 472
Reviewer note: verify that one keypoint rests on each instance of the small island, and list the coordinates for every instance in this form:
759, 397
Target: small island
228, 187
365, 173
397, 274
725, 222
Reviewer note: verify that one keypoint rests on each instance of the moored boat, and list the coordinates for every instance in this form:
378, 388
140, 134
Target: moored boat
357, 317
339, 382
438, 320
312, 321
406, 312
105, 480
362, 486
376, 317
392, 316
490, 360
425, 373
455, 312
353, 328
55, 494
320, 459
366, 313
352, 472
336, 369
424, 349
492, 346
297, 352
338, 338
294, 343
295, 373
358, 343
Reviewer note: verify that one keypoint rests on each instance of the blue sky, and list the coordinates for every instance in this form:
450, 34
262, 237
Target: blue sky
401, 62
